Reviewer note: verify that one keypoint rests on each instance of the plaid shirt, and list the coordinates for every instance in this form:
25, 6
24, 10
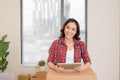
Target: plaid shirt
57, 52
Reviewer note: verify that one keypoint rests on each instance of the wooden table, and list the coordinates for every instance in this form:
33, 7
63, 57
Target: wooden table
85, 75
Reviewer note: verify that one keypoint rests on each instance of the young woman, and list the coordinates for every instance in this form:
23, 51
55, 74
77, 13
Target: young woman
68, 48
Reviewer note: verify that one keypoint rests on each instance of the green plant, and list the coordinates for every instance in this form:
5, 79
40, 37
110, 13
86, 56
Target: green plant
4, 45
41, 63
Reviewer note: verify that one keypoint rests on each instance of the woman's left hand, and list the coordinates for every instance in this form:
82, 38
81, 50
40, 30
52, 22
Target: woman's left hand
82, 68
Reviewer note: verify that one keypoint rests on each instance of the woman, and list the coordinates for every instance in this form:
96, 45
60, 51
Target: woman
68, 48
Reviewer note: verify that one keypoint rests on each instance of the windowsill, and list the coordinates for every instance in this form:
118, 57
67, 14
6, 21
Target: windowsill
29, 65
34, 66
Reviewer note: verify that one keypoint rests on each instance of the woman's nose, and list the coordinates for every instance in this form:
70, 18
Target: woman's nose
70, 30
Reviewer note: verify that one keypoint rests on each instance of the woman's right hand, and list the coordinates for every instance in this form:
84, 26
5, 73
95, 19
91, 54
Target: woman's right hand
59, 69
55, 67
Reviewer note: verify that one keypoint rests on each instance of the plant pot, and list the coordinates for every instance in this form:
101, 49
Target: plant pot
42, 68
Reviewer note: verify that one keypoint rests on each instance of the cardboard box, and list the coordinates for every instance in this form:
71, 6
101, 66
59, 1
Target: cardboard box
89, 74
41, 75
33, 78
24, 76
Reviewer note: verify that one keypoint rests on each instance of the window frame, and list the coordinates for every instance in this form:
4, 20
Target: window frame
62, 20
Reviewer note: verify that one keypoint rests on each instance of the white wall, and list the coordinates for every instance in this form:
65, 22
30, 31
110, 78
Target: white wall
103, 36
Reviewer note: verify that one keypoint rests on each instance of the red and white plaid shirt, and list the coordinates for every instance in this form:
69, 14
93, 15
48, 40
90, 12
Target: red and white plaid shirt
57, 52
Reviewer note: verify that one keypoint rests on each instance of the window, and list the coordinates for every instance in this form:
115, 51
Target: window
41, 22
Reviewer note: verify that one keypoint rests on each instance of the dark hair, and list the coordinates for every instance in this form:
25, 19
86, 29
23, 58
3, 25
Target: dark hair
62, 35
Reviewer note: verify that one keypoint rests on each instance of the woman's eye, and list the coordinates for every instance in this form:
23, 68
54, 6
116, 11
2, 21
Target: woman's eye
67, 27
73, 29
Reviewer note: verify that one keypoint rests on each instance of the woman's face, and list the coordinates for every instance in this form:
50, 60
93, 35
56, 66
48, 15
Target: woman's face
70, 30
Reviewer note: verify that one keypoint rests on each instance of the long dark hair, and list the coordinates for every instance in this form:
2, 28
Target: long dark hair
62, 35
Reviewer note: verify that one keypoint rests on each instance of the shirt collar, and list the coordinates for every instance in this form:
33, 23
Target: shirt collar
76, 42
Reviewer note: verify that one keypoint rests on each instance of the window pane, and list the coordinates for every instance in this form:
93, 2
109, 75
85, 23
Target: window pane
41, 25
76, 9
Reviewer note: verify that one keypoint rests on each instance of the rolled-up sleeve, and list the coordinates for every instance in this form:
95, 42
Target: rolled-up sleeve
51, 52
85, 55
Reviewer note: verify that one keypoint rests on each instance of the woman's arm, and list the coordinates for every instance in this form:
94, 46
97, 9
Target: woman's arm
85, 58
51, 65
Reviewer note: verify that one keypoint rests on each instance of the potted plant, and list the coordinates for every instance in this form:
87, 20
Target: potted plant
4, 45
42, 63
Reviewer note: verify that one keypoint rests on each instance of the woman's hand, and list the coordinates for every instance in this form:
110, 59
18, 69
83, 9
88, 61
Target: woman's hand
82, 68
59, 69
55, 67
